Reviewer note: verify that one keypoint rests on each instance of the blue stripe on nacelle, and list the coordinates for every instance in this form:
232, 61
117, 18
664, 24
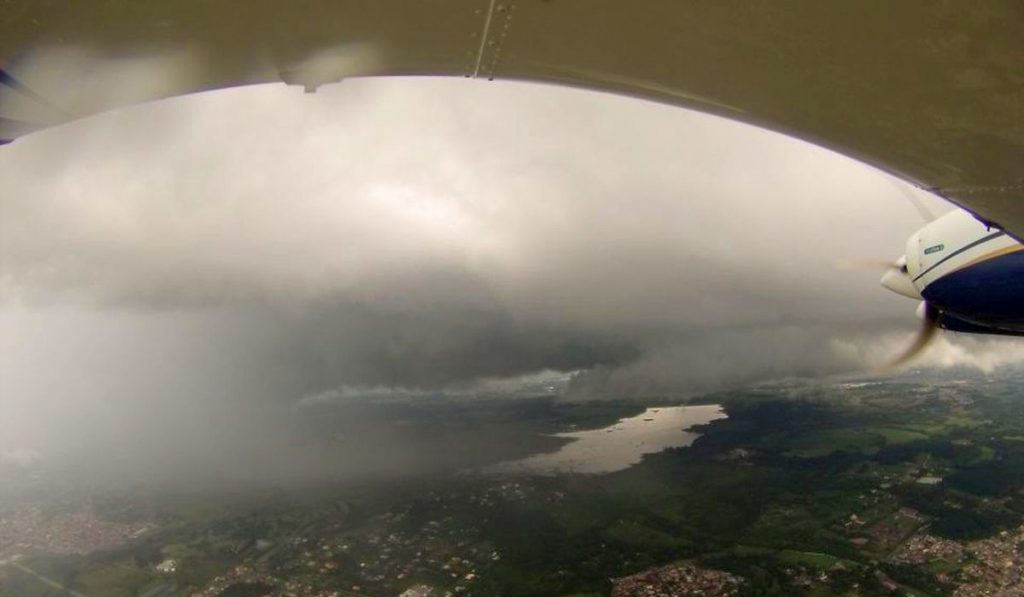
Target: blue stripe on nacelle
989, 293
968, 247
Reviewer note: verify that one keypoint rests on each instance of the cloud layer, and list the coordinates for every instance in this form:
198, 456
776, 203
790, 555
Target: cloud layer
257, 246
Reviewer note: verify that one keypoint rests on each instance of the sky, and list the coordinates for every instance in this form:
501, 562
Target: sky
196, 263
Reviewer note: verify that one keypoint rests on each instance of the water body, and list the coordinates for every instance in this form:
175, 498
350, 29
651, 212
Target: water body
619, 446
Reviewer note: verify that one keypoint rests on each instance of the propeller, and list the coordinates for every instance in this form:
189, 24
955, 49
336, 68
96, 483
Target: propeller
883, 264
922, 210
896, 277
867, 264
930, 317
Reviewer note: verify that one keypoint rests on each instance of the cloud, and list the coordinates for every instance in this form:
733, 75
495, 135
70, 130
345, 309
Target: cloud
984, 354
23, 458
528, 197
188, 263
713, 360
689, 366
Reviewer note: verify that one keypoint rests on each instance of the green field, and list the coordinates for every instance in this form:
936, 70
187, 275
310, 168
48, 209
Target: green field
814, 444
896, 435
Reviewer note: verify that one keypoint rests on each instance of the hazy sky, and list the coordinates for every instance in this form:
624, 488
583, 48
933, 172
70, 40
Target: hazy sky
188, 261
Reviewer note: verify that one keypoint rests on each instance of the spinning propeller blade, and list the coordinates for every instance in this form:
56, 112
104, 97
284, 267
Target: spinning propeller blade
925, 334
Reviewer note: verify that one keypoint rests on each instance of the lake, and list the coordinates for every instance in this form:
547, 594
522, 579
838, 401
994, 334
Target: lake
620, 445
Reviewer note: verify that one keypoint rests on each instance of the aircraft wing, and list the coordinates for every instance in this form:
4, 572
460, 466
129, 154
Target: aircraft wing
930, 91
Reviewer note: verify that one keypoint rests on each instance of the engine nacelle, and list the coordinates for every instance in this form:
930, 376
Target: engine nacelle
967, 271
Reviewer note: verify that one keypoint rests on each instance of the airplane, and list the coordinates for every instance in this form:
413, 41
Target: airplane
968, 276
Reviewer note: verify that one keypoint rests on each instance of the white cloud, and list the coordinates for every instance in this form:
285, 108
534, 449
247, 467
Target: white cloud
948, 350
24, 458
